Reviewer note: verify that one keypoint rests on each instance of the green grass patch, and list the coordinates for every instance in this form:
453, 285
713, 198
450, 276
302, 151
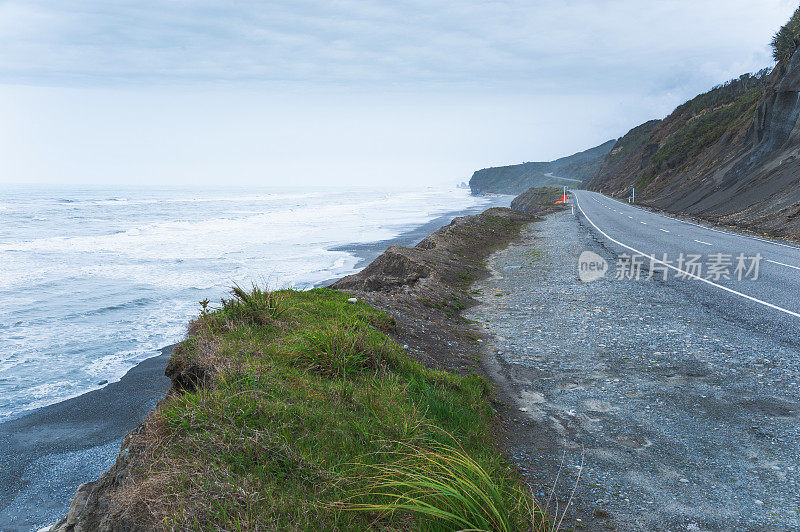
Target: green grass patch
451, 306
314, 412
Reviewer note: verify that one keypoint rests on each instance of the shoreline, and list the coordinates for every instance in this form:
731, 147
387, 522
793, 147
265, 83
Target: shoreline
46, 453
369, 251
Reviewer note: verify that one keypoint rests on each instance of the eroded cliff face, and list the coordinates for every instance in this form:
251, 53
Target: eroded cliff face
748, 176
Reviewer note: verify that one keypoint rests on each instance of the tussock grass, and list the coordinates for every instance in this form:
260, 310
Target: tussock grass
444, 486
311, 404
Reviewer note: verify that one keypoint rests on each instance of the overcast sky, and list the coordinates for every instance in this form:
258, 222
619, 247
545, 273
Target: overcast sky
326, 92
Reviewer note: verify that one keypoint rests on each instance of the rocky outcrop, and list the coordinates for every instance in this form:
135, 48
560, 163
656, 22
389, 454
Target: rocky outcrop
518, 178
93, 508
432, 268
731, 156
395, 268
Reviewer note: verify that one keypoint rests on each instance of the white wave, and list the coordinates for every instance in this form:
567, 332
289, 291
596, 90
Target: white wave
58, 345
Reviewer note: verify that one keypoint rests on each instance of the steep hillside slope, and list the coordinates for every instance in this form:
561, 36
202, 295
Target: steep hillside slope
729, 155
518, 178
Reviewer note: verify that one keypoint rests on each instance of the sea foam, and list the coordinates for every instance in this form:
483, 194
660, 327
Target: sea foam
94, 281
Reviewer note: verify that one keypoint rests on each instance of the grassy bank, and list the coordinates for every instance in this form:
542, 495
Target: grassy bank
300, 412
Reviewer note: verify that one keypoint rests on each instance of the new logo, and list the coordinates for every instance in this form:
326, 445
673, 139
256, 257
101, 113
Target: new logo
591, 267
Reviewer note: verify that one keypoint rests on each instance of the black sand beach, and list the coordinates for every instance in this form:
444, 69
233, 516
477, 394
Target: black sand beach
369, 251
46, 454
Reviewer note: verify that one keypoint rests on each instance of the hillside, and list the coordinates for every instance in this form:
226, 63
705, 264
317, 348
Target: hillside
518, 178
729, 155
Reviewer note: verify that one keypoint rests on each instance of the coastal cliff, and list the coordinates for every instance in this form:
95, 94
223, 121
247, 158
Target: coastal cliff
515, 179
729, 156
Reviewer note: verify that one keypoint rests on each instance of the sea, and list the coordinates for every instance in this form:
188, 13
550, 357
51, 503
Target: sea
95, 280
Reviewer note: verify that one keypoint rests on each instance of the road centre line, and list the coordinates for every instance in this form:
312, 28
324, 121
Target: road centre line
685, 273
710, 228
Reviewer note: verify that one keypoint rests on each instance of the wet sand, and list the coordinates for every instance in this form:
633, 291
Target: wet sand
46, 454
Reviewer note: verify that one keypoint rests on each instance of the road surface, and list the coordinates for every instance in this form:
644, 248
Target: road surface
774, 295
679, 396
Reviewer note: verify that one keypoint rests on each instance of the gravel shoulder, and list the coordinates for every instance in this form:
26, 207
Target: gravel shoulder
682, 416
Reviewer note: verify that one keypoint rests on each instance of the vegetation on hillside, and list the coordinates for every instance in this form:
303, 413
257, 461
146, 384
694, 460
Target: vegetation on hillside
785, 41
725, 93
703, 129
517, 178
538, 201
307, 415
633, 140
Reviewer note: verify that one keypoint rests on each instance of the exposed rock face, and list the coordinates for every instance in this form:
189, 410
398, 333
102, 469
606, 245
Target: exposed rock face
396, 267
93, 508
747, 177
518, 178
433, 267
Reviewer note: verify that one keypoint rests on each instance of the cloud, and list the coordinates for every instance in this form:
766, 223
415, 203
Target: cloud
347, 92
512, 45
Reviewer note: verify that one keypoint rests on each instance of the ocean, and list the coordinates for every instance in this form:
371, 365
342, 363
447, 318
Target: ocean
95, 280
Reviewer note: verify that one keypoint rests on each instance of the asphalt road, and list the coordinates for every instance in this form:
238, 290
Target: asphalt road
774, 296
677, 400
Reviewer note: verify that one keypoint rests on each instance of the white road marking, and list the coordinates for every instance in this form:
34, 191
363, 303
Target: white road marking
663, 230
631, 217
701, 242
643, 223
687, 274
713, 228
783, 264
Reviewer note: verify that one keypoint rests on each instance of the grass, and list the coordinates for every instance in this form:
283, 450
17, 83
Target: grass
442, 484
311, 409
451, 306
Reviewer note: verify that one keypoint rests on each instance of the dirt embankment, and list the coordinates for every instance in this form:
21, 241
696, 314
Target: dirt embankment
425, 287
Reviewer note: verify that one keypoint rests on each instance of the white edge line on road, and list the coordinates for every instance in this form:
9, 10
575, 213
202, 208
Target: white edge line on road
783, 264
730, 290
765, 240
701, 242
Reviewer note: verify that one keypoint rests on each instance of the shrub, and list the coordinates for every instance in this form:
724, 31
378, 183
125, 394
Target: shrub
259, 306
785, 41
